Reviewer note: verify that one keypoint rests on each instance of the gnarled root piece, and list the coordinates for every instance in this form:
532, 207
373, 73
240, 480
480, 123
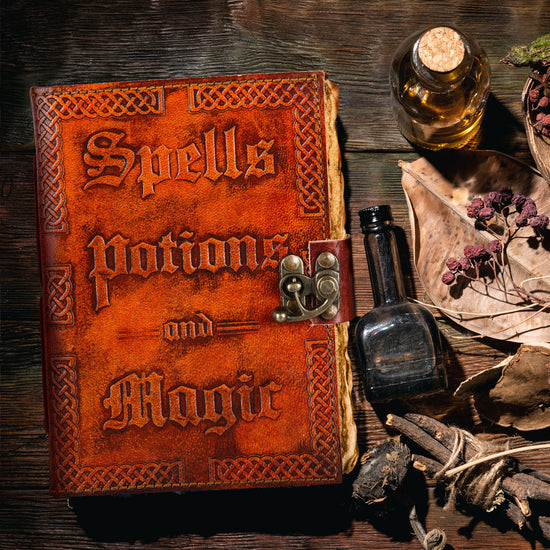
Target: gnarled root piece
457, 461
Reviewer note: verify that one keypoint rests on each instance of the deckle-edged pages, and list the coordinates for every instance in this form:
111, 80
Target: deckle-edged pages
164, 209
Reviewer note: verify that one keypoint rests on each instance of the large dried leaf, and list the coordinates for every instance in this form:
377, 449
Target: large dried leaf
515, 392
437, 199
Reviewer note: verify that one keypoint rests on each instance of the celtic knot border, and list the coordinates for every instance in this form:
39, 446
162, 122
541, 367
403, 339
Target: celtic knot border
324, 464
67, 474
304, 98
59, 289
323, 405
50, 110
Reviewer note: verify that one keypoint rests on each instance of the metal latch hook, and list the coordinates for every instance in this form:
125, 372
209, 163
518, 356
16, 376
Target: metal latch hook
322, 288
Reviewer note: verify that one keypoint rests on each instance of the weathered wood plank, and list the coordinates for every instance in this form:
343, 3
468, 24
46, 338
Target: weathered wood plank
77, 42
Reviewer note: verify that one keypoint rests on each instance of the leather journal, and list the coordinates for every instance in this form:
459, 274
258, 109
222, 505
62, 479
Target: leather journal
165, 214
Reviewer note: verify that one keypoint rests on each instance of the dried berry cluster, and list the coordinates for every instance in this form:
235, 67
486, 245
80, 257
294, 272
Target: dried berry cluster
539, 100
502, 213
505, 203
474, 258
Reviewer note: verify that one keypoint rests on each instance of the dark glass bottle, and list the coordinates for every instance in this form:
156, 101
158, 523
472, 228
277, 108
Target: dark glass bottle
398, 341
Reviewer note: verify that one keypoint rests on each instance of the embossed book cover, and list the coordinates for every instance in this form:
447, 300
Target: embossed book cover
164, 209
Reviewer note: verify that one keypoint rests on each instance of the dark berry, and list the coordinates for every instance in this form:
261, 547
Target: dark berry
470, 252
495, 247
478, 203
482, 254
534, 94
486, 213
472, 210
447, 278
490, 199
518, 200
505, 196
452, 264
539, 222
529, 208
521, 220
464, 264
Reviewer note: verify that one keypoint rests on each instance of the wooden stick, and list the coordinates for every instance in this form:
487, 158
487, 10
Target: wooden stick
419, 436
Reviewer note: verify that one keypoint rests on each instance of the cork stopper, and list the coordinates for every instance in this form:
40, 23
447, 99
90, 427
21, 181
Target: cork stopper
441, 49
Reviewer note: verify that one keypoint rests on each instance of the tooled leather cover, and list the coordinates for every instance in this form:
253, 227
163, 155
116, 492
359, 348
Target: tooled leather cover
164, 209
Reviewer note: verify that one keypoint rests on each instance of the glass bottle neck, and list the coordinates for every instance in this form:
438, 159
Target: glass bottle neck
384, 266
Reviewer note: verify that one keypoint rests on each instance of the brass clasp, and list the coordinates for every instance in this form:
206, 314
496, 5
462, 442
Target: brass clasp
321, 292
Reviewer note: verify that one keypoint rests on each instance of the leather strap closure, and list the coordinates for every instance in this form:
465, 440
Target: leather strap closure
341, 248
324, 295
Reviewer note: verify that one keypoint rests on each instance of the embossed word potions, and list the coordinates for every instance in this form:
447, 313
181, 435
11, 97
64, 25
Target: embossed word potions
117, 257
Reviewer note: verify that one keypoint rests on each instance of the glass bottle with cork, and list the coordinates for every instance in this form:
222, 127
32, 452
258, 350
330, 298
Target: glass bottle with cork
440, 82
398, 341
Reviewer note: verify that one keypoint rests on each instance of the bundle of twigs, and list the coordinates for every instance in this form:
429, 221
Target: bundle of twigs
477, 473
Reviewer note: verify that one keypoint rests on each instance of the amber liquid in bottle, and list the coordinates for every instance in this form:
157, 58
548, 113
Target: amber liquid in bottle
398, 342
440, 82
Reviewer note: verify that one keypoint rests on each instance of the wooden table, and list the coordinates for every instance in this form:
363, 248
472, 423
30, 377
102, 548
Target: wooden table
78, 42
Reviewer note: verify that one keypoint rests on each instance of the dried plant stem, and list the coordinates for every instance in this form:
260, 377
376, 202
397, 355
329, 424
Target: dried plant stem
489, 334
515, 291
458, 469
534, 279
476, 313
505, 283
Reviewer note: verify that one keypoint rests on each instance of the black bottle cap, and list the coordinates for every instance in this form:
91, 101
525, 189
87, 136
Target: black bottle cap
375, 215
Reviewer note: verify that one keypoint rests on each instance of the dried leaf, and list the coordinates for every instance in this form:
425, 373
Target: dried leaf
520, 396
481, 381
437, 198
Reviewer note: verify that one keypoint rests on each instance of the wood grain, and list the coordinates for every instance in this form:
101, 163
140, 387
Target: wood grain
76, 42
64, 42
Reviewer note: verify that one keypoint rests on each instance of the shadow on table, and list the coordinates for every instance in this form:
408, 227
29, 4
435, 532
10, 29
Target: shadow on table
501, 131
322, 510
